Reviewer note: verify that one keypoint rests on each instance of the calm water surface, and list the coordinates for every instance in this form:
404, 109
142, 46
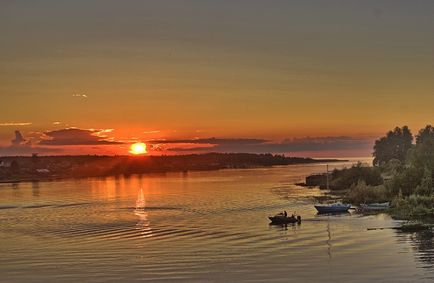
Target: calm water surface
197, 227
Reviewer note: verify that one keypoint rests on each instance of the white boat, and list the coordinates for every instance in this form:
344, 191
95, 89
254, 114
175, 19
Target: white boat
375, 206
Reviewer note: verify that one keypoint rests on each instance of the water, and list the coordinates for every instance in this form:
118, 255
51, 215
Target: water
197, 227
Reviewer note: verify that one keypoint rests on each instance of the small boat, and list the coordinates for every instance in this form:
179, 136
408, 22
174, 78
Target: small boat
375, 206
282, 219
332, 208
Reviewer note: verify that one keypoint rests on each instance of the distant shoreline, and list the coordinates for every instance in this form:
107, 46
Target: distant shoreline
23, 169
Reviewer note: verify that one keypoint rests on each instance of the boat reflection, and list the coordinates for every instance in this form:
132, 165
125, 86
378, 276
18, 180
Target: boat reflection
329, 241
321, 214
283, 226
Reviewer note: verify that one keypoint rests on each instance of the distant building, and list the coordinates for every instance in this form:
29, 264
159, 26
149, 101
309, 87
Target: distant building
5, 163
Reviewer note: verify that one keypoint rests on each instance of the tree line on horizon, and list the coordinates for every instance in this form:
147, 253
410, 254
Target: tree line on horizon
41, 167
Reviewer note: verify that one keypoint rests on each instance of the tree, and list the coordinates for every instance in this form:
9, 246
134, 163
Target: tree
425, 135
35, 158
416, 177
15, 167
394, 145
422, 155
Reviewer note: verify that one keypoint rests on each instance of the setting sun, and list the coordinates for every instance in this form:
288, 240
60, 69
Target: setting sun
138, 148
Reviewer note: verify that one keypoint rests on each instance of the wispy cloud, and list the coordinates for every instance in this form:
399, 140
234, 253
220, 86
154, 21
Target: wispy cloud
5, 124
79, 95
75, 136
151, 132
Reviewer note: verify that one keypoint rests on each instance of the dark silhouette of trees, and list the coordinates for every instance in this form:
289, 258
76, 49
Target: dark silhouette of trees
394, 145
15, 167
94, 166
35, 158
422, 155
425, 135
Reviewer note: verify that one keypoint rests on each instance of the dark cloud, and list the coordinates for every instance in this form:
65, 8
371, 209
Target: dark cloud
213, 141
326, 143
20, 146
18, 140
286, 146
74, 136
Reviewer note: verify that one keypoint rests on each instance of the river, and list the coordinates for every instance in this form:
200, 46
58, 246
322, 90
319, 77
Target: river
207, 226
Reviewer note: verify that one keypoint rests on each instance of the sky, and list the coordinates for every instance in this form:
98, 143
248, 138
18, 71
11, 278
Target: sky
304, 78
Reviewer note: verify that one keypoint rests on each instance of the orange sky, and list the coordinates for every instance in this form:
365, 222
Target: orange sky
341, 72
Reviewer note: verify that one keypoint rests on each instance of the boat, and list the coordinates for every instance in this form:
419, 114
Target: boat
375, 206
282, 219
332, 208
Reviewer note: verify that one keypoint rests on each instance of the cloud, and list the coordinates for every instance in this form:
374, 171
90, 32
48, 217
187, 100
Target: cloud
151, 132
326, 143
6, 124
213, 141
306, 144
18, 140
79, 95
74, 136
20, 146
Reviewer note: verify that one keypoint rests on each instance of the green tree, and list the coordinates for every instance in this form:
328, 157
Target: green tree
394, 145
422, 155
416, 176
426, 184
426, 134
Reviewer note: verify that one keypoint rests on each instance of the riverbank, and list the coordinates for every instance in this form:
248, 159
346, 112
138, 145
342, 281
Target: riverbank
360, 189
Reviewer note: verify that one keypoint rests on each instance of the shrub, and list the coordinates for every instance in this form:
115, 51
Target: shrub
413, 206
363, 193
345, 178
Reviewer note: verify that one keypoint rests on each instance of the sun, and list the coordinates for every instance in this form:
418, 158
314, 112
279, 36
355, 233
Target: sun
138, 148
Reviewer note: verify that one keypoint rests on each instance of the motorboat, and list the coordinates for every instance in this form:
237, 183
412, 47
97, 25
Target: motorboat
332, 208
284, 219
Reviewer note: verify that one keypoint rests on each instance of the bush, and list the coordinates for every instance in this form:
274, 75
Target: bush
347, 177
406, 181
362, 193
413, 206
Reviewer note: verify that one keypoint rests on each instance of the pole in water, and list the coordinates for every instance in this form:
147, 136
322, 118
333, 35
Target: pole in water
327, 176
